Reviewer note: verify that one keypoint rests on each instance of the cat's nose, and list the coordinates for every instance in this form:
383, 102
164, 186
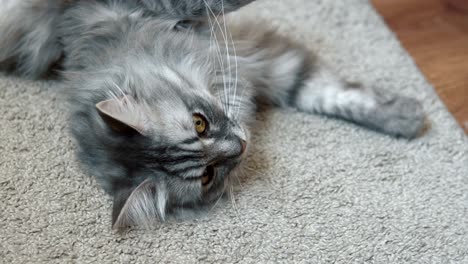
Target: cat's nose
243, 146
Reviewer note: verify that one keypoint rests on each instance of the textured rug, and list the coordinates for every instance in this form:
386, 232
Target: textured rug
319, 190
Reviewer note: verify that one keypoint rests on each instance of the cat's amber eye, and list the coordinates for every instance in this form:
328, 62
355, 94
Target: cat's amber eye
208, 177
200, 123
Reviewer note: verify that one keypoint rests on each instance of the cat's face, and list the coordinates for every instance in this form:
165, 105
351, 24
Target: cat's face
178, 136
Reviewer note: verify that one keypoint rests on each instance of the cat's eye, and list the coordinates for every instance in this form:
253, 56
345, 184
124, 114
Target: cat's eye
208, 177
200, 123
183, 25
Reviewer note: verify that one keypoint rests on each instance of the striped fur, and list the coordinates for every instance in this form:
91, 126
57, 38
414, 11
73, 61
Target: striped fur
136, 77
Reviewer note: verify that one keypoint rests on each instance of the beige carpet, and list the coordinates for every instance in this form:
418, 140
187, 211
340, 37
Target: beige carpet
319, 190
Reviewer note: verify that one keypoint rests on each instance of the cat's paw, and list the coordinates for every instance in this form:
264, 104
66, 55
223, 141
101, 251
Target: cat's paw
401, 116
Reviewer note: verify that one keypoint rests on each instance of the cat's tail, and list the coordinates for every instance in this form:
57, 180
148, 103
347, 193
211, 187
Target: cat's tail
29, 44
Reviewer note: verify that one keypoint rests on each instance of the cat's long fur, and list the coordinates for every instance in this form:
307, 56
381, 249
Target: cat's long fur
137, 72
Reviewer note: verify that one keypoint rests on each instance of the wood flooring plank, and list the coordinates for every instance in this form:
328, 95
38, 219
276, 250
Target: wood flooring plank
435, 33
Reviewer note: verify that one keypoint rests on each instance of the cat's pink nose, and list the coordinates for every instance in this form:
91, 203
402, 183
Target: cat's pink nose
244, 146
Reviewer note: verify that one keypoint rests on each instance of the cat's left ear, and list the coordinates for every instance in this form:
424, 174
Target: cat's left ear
122, 115
193, 9
202, 15
140, 206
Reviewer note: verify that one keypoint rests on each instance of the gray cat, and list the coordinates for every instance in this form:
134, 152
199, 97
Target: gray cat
162, 92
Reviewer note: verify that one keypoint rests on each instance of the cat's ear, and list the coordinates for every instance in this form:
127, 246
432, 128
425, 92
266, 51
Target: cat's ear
141, 206
122, 115
194, 9
203, 15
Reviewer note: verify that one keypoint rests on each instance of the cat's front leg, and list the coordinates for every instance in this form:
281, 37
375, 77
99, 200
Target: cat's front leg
392, 114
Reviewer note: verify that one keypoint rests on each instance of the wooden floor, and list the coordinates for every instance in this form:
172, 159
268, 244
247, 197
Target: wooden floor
435, 33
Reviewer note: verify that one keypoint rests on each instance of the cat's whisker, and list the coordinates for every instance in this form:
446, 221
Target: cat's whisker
235, 61
210, 60
225, 39
112, 95
236, 174
233, 202
240, 104
116, 96
214, 41
217, 200
219, 53
226, 183
249, 168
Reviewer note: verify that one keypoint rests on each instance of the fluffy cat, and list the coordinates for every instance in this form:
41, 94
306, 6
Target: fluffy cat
162, 92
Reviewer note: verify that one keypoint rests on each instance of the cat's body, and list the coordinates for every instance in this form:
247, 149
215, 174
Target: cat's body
161, 105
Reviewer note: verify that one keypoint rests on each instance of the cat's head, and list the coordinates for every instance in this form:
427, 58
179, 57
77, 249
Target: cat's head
177, 154
166, 129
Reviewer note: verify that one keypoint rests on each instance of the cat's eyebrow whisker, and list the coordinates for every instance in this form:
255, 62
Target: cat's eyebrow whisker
225, 39
218, 49
115, 96
112, 95
211, 61
214, 41
235, 61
